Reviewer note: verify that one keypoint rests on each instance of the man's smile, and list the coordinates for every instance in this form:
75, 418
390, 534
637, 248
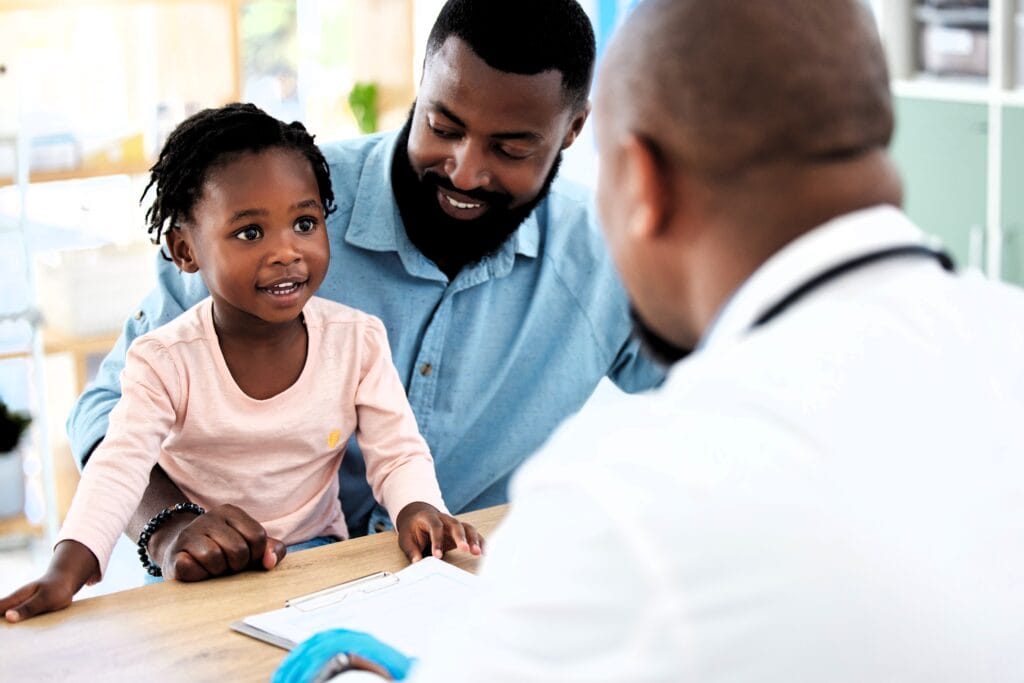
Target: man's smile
458, 205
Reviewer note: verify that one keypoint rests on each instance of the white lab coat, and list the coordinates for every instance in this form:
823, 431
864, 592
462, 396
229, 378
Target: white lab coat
837, 496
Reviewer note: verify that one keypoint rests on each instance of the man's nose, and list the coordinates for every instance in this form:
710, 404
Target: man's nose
466, 168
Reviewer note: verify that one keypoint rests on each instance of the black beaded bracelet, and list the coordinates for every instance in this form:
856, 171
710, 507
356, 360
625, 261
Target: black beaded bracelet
154, 524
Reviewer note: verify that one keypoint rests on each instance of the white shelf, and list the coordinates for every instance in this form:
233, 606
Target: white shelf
948, 89
1014, 98
970, 91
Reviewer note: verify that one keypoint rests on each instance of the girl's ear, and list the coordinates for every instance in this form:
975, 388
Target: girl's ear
179, 244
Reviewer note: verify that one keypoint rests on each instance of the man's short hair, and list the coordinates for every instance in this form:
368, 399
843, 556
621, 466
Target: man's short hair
524, 37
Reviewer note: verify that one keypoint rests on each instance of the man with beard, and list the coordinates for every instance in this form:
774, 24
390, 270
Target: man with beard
829, 488
502, 308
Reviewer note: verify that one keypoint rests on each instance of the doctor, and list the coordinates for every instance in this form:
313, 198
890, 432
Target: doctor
830, 487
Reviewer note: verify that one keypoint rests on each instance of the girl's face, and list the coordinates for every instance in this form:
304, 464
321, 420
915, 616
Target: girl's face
257, 237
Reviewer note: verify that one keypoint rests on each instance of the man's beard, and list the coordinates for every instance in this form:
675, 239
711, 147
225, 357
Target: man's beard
656, 347
449, 242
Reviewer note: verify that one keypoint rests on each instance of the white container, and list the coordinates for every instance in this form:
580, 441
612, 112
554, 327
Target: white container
92, 291
954, 50
12, 483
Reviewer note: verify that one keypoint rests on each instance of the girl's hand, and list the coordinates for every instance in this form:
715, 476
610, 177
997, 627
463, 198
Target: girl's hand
423, 530
225, 540
72, 565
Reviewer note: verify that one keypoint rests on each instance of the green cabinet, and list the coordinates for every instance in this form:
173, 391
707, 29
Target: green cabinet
941, 150
959, 140
1012, 191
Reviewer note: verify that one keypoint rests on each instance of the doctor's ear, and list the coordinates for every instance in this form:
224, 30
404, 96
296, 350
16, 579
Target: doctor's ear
646, 186
180, 248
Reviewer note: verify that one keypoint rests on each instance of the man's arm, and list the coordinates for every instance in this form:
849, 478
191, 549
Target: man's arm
160, 494
188, 548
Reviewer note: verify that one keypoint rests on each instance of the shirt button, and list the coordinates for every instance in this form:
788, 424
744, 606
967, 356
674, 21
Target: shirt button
426, 369
138, 315
380, 527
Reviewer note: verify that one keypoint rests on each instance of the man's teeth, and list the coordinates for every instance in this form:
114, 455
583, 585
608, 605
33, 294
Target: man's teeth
461, 205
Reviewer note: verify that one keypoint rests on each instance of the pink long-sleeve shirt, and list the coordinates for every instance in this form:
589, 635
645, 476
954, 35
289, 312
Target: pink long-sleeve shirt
277, 458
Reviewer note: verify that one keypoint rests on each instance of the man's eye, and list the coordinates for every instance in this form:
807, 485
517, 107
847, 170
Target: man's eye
444, 134
249, 234
305, 225
514, 154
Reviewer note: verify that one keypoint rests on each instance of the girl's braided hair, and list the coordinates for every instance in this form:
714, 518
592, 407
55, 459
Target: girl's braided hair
202, 141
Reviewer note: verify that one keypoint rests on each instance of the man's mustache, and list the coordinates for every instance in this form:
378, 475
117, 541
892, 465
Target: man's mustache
494, 199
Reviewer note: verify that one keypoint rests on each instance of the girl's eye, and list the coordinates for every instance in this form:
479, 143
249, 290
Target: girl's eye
249, 234
305, 225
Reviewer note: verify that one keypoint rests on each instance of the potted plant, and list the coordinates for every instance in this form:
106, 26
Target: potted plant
12, 478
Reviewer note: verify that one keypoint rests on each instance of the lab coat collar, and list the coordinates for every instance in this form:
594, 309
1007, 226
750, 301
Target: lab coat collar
830, 244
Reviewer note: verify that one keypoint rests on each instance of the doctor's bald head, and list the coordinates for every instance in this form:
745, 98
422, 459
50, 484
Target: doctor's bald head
725, 130
727, 85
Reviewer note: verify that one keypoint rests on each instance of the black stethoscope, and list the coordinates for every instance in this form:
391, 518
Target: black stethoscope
906, 251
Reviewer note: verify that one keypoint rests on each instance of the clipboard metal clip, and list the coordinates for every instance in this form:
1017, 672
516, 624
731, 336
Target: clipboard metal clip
335, 594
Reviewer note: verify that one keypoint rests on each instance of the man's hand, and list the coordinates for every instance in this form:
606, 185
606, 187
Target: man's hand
72, 565
423, 530
225, 540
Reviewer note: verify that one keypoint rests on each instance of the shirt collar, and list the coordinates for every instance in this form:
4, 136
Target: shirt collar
376, 222
839, 240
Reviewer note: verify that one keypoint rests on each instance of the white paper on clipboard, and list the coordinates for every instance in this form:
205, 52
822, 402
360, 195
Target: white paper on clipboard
400, 609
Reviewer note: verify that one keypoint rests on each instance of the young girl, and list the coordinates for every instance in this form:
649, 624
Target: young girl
249, 397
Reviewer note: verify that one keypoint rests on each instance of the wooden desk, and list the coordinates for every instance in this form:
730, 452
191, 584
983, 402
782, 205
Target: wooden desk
180, 631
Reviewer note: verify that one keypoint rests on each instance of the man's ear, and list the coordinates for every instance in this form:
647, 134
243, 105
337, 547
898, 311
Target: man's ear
180, 247
576, 125
645, 187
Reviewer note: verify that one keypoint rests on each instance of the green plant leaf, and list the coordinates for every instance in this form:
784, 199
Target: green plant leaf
363, 101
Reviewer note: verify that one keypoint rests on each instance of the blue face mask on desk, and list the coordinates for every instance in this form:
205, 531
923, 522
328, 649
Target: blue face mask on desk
315, 659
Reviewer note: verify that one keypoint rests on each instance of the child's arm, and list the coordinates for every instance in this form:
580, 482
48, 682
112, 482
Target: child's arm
423, 530
189, 548
399, 466
71, 566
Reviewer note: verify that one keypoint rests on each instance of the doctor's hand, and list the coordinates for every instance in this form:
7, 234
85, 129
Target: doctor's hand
224, 540
424, 530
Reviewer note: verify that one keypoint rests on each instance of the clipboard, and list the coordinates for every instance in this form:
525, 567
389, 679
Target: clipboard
400, 608
318, 600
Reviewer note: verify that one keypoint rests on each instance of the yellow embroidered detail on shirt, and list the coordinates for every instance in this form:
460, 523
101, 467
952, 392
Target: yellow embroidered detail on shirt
333, 438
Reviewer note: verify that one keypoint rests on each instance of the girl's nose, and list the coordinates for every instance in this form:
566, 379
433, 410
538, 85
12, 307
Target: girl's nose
285, 250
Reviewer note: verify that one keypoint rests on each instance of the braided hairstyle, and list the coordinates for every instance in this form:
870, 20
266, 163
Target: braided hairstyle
204, 140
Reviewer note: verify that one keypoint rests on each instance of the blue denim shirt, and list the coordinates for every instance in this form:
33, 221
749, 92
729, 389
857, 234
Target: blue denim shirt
492, 361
